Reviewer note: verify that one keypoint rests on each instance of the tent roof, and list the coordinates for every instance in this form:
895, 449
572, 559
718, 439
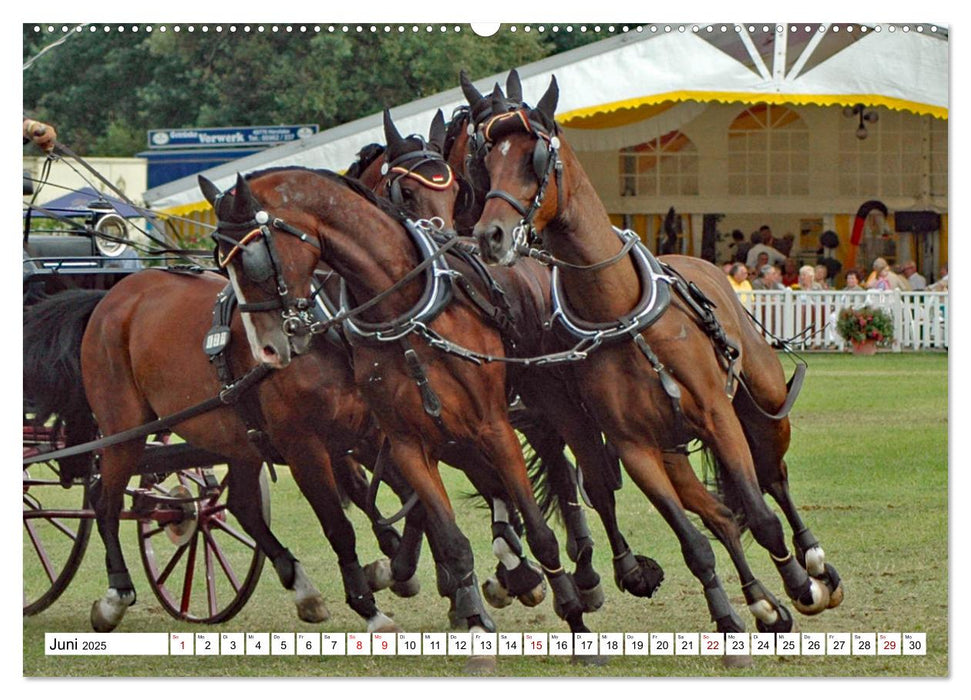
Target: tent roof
662, 73
79, 203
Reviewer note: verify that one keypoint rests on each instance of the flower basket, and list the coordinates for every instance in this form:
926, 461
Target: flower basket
865, 328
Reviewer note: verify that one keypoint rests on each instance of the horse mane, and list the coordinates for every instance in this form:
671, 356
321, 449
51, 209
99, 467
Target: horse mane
365, 157
455, 126
350, 183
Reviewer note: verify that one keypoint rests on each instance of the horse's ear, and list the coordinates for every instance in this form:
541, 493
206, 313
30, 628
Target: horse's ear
209, 190
391, 134
498, 100
436, 134
547, 103
514, 87
244, 203
472, 96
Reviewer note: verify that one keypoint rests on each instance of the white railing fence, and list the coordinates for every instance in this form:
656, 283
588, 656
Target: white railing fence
808, 319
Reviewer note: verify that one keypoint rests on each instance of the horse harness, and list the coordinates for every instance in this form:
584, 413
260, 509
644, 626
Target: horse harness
656, 278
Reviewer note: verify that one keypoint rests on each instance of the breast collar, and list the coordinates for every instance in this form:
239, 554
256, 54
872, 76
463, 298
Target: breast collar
434, 298
655, 298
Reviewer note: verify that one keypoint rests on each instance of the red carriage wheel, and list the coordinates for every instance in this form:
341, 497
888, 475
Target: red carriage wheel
56, 532
200, 563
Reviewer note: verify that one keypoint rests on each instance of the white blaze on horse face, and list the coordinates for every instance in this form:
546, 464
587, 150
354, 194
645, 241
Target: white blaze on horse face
256, 344
504, 148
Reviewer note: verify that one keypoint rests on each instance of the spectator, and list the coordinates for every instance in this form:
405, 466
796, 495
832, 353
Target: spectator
739, 247
738, 278
774, 256
785, 244
822, 273
853, 282
790, 273
916, 280
893, 279
882, 282
769, 277
807, 279
941, 284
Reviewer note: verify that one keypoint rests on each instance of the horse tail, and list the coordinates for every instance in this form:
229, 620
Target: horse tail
53, 387
546, 461
713, 477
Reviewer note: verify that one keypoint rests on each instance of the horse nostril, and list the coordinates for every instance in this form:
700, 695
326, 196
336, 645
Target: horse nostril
269, 351
495, 235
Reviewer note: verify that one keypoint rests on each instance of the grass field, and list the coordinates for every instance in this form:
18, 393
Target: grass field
869, 469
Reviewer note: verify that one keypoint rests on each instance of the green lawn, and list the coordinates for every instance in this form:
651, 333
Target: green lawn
869, 469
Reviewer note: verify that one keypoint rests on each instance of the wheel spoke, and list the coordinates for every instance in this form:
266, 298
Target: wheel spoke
41, 551
233, 532
170, 567
190, 565
227, 567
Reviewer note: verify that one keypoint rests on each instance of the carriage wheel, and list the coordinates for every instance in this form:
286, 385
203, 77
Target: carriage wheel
200, 563
55, 534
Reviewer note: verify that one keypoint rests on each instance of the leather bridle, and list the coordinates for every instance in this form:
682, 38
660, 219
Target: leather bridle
546, 165
261, 263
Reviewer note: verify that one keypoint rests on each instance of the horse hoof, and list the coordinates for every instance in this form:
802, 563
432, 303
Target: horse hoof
480, 665
820, 599
495, 594
378, 574
106, 613
783, 624
102, 621
381, 623
836, 597
534, 597
737, 661
312, 609
406, 589
592, 598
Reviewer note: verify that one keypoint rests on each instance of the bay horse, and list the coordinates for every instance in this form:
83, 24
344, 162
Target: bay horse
138, 351
425, 401
551, 417
660, 375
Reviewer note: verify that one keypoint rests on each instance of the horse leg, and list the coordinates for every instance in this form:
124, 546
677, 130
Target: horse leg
504, 449
559, 473
770, 615
244, 502
311, 468
769, 441
636, 574
724, 435
644, 464
451, 549
117, 466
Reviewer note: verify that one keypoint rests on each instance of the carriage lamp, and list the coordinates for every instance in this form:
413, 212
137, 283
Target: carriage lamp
866, 117
110, 229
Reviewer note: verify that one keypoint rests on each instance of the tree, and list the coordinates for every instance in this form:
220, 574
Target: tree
104, 89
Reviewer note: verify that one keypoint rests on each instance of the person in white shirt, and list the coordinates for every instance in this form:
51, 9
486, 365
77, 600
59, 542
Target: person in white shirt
776, 257
917, 280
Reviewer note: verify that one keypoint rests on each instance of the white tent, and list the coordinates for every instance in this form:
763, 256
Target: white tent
660, 76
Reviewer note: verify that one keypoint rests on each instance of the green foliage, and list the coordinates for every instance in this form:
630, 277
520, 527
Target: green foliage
104, 89
865, 323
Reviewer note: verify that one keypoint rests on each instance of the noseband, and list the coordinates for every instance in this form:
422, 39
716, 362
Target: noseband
262, 263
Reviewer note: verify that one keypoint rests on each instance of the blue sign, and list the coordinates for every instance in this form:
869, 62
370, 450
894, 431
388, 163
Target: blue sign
229, 136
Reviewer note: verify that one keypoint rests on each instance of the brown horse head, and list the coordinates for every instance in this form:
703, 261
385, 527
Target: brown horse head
517, 158
417, 178
270, 268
